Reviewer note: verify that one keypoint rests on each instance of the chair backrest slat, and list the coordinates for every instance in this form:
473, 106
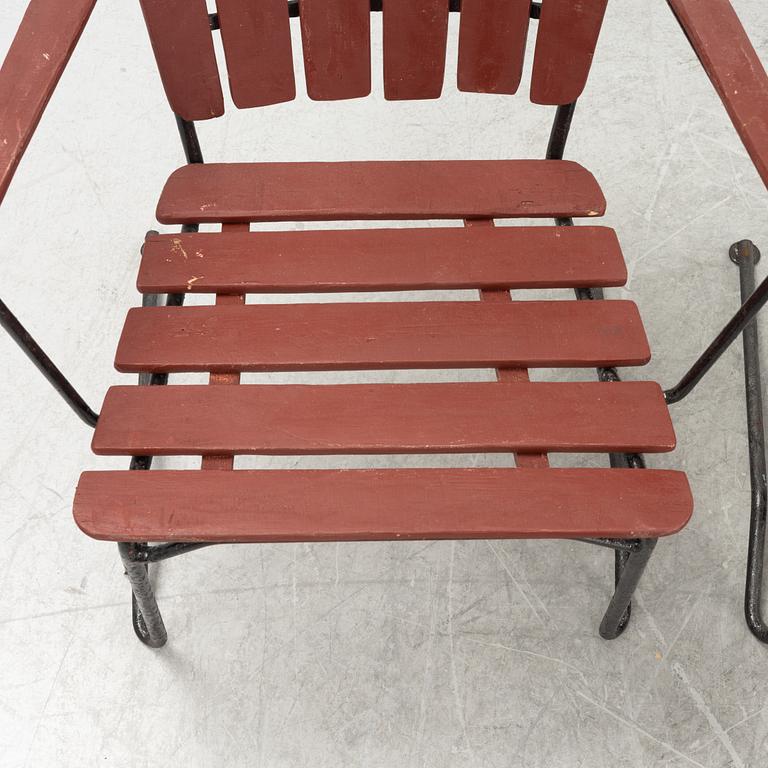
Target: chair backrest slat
492, 37
181, 40
257, 45
565, 44
336, 39
415, 37
336, 46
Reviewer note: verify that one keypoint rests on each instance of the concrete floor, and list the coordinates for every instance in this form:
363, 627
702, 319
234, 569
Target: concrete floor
402, 654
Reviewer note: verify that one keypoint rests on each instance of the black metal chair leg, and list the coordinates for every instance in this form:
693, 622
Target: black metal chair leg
745, 255
147, 621
616, 617
619, 563
754, 587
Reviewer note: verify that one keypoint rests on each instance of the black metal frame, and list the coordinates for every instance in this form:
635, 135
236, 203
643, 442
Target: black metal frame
630, 555
46, 366
454, 6
746, 256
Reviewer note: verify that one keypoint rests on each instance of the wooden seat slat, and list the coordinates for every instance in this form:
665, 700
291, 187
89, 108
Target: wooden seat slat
382, 335
397, 189
382, 260
369, 505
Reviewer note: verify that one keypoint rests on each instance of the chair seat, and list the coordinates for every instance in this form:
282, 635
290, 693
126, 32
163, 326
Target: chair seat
513, 415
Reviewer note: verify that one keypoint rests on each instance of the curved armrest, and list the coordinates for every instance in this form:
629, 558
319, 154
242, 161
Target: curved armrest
719, 40
36, 59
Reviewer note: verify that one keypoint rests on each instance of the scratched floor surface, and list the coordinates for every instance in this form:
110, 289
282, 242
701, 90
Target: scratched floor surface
401, 654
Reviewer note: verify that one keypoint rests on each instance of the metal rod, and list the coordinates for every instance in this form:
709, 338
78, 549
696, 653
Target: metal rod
620, 545
745, 255
752, 304
147, 621
558, 136
189, 140
45, 365
454, 6
620, 560
153, 553
616, 617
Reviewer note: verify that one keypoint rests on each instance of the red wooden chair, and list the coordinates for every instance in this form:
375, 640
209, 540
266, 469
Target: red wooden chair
625, 507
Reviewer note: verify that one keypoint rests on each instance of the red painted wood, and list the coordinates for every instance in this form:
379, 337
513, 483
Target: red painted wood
46, 37
222, 460
419, 189
415, 36
724, 49
492, 37
369, 505
217, 462
382, 260
565, 44
384, 418
532, 460
181, 40
336, 40
365, 335
225, 461
257, 45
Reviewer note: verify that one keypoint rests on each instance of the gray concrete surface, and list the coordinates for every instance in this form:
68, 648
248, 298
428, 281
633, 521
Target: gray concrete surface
402, 654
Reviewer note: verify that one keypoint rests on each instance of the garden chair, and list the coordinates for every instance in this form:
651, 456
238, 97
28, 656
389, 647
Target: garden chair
155, 515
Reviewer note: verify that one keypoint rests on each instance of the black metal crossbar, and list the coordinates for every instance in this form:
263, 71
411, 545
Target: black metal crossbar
294, 10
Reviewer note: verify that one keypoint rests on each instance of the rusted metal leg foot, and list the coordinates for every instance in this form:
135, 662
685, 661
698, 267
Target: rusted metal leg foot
745, 255
147, 621
617, 616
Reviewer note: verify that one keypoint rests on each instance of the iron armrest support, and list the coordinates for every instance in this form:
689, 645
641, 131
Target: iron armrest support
38, 55
745, 252
746, 256
725, 52
746, 260
46, 366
